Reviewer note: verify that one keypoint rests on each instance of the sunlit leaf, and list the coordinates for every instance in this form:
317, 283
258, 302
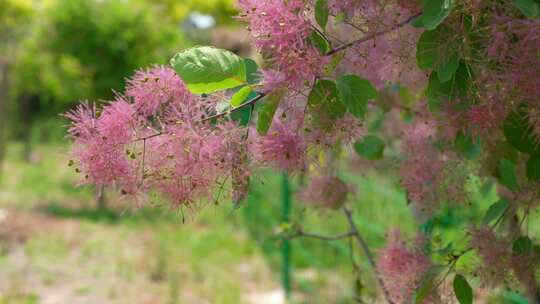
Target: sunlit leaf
207, 69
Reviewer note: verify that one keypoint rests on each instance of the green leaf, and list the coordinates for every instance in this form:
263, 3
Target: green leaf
321, 13
239, 97
495, 211
462, 290
427, 52
514, 298
242, 116
370, 147
458, 86
522, 245
434, 53
529, 8
252, 75
267, 111
447, 68
507, 174
518, 131
355, 93
533, 168
319, 42
435, 11
324, 101
467, 146
207, 69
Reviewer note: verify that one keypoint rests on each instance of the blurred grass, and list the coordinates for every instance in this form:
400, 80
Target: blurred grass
215, 255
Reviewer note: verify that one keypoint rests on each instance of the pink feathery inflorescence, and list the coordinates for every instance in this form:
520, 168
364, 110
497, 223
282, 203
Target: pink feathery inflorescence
495, 254
281, 148
280, 32
154, 138
325, 190
402, 268
421, 165
153, 88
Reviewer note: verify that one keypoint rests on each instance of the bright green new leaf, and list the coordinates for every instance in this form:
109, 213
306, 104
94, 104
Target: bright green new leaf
267, 111
495, 211
507, 174
435, 11
462, 290
319, 42
321, 13
355, 93
370, 147
239, 97
207, 69
533, 168
529, 8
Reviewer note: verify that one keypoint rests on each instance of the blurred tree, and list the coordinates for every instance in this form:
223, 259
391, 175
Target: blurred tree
84, 49
222, 10
14, 14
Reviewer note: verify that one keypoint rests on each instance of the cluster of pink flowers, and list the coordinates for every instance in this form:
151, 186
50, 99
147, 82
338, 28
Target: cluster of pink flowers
154, 138
280, 32
402, 268
282, 148
384, 59
325, 190
422, 167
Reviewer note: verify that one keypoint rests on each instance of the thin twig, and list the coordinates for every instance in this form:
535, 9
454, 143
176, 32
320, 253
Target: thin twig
321, 237
218, 115
374, 35
249, 103
367, 253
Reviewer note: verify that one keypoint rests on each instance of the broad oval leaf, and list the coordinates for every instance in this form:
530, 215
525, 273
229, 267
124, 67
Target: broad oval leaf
324, 102
427, 52
355, 93
321, 13
518, 131
507, 174
319, 42
252, 74
207, 69
448, 67
533, 168
370, 147
435, 11
462, 290
529, 8
495, 211
467, 146
522, 245
239, 97
267, 111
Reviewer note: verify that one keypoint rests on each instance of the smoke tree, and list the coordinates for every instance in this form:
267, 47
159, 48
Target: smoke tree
464, 75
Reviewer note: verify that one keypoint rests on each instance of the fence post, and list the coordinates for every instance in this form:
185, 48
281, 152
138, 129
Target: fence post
286, 246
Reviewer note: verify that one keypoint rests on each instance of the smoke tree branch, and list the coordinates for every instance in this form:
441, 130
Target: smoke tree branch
372, 36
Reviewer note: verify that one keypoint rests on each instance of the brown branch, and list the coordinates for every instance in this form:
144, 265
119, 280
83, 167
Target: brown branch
374, 35
365, 248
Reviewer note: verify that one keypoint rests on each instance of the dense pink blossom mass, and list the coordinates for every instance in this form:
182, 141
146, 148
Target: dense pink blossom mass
448, 92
